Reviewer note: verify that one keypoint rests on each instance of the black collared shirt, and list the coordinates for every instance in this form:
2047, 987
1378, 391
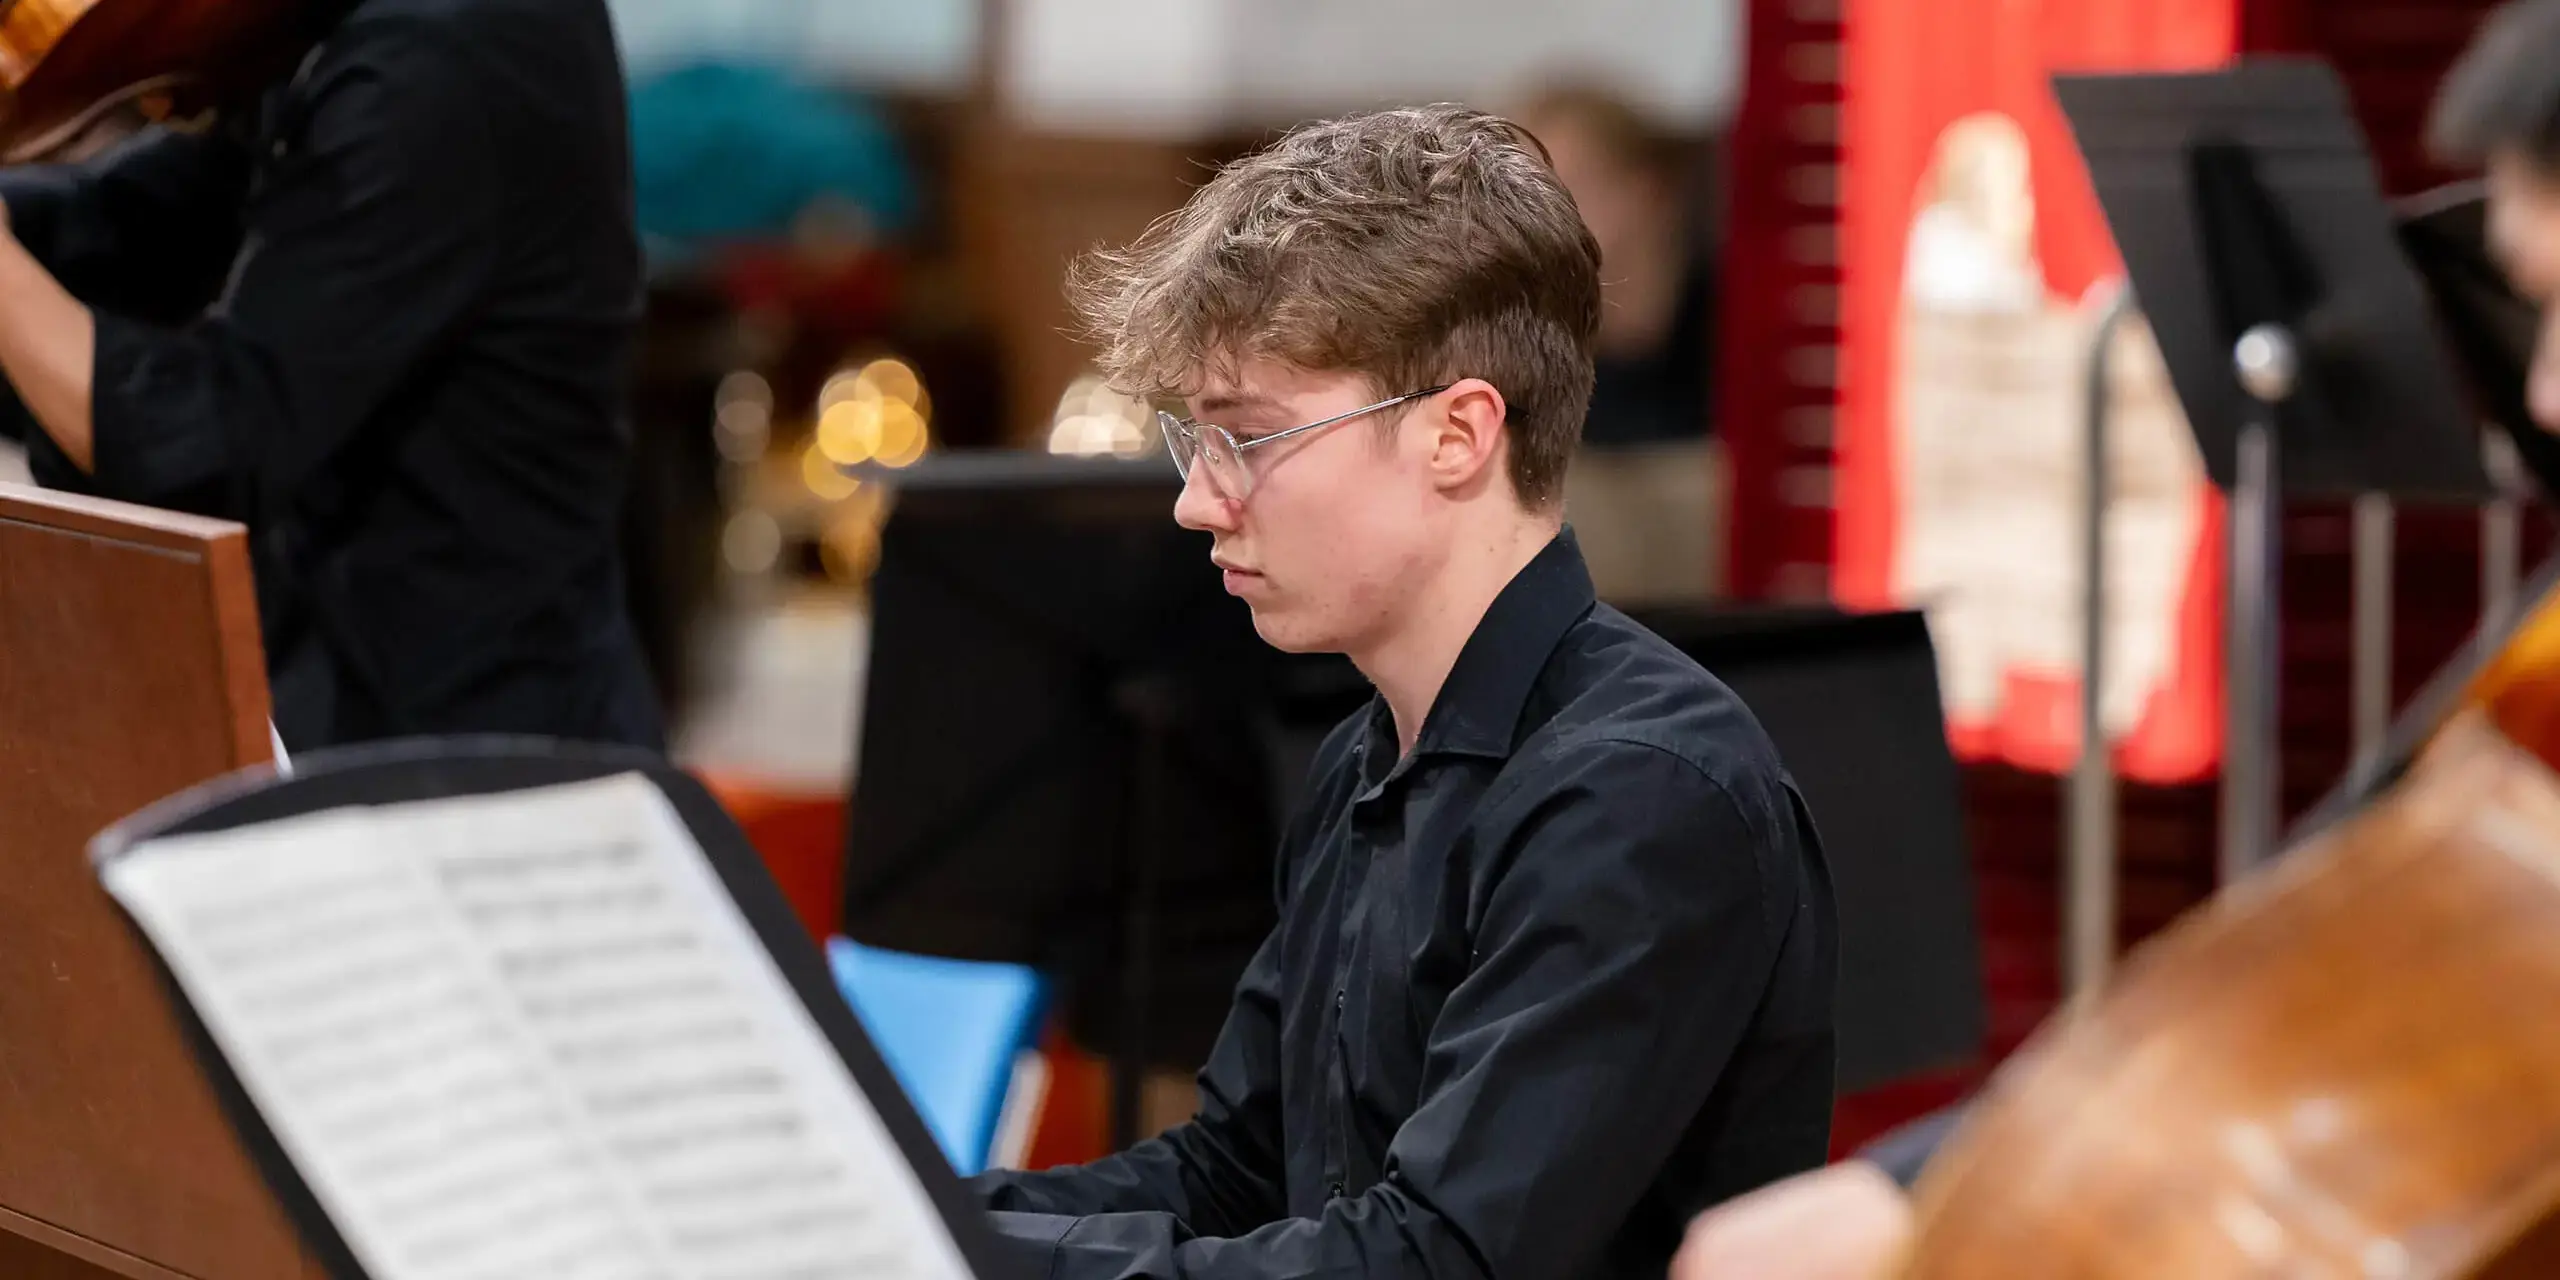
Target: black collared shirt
385, 321
1540, 991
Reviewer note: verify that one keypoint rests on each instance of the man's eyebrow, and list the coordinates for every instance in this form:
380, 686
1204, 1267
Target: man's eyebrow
1225, 402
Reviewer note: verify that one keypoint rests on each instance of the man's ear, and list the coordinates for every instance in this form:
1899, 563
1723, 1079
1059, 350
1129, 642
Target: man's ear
1468, 441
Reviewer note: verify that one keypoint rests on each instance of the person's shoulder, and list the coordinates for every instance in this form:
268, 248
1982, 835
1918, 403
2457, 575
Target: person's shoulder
492, 41
469, 19
1615, 690
470, 80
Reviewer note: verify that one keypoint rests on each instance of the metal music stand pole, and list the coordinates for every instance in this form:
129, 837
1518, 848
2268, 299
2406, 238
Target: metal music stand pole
2089, 886
2370, 650
2268, 366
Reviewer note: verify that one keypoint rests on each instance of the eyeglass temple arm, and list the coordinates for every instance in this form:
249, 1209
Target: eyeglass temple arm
1388, 403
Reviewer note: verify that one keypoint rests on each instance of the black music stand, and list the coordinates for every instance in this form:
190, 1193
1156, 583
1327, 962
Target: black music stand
2299, 342
1067, 723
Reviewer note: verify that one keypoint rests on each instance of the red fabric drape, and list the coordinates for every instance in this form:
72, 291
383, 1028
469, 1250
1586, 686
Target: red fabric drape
1912, 70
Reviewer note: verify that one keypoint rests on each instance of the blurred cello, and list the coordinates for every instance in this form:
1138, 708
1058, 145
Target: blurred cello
2348, 1065
75, 74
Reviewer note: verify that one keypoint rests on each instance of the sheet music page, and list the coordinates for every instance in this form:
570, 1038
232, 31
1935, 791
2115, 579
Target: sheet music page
530, 1034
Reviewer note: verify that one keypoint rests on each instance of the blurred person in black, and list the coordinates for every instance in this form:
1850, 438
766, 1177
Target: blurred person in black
382, 316
2499, 107
1646, 491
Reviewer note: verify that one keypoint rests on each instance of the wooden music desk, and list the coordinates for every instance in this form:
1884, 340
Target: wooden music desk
130, 668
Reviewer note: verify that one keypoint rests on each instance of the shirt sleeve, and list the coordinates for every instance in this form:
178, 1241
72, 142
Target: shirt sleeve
147, 227
1619, 957
1221, 1171
1903, 1153
367, 247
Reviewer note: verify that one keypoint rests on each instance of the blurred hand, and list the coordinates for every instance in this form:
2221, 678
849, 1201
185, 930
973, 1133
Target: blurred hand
2542, 377
1847, 1221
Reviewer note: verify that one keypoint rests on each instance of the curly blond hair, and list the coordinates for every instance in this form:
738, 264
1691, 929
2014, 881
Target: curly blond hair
1413, 247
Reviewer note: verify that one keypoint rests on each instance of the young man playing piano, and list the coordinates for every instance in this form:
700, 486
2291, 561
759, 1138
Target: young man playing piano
382, 318
1554, 964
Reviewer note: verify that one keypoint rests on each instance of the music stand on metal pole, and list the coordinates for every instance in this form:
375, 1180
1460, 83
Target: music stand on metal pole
2297, 339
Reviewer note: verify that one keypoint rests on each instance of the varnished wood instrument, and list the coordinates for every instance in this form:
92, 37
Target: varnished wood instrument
2348, 1065
76, 72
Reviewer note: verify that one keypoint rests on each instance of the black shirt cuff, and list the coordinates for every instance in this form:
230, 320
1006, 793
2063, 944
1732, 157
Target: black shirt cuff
155, 436
1904, 1152
1028, 1242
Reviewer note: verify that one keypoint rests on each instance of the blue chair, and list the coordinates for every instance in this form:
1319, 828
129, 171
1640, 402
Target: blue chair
952, 1031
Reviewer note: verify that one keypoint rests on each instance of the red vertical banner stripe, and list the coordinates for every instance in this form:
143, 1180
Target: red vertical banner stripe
1778, 341
1975, 261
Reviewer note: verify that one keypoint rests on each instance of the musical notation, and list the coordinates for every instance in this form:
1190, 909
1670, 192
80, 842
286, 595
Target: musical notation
530, 1033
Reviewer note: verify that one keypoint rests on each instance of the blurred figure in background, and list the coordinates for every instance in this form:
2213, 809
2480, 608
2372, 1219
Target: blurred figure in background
383, 316
1646, 494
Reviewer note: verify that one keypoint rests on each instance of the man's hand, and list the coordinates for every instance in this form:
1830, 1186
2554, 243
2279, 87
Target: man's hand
1844, 1222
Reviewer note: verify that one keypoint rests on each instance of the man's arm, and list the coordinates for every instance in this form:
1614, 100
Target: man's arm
372, 239
1615, 974
1219, 1172
47, 345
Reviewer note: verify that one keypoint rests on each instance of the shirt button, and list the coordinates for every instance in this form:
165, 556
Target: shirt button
1337, 1191
1337, 1000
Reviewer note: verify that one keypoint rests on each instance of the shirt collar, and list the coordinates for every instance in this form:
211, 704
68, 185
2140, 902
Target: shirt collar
1480, 703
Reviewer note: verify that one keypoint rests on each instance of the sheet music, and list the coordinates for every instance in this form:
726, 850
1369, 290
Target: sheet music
531, 1035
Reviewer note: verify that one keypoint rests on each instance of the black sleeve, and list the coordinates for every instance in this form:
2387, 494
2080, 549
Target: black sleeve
1620, 956
368, 245
1903, 1152
148, 227
1220, 1172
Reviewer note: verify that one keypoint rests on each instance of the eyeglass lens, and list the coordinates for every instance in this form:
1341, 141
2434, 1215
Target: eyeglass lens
1214, 447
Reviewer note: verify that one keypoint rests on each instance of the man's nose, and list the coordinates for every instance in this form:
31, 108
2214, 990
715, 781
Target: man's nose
1201, 506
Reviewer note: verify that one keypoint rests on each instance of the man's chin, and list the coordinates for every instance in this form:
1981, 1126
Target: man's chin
1287, 634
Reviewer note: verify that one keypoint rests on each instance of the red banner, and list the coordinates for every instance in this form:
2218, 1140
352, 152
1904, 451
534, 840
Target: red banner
1976, 262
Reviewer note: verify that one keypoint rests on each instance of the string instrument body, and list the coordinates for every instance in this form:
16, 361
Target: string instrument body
76, 73
2347, 1065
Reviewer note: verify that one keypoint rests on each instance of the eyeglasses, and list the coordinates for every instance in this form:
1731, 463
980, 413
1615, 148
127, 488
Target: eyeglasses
1187, 440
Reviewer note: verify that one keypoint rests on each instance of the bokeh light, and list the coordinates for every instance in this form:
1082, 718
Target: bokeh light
879, 412
742, 416
823, 476
751, 542
1095, 421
